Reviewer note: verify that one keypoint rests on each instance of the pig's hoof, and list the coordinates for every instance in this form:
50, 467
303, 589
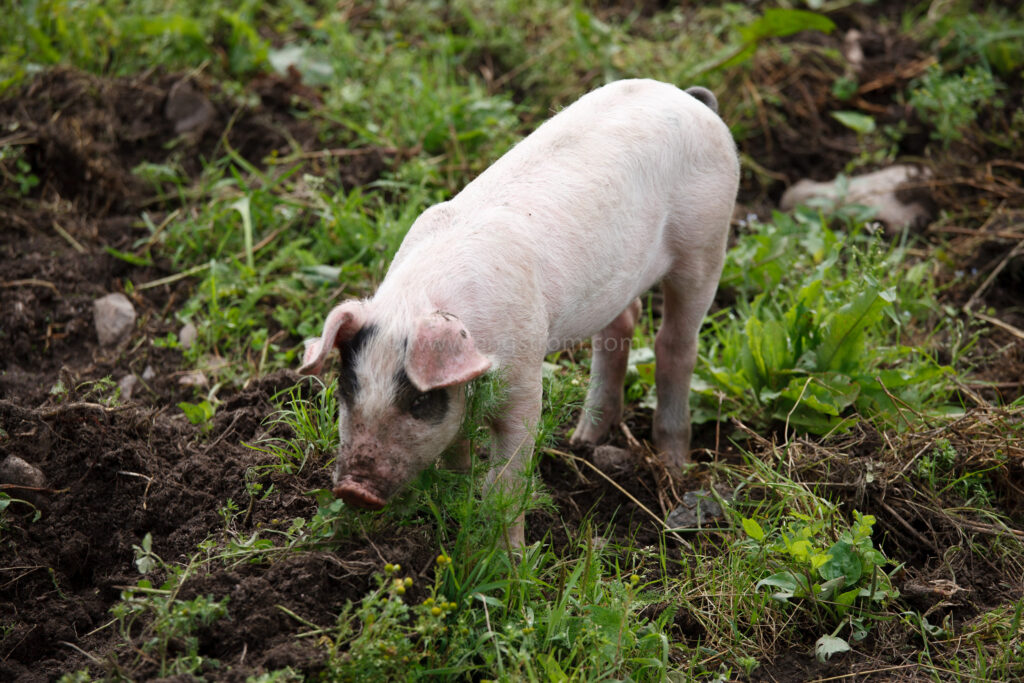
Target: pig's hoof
359, 496
677, 463
588, 434
577, 440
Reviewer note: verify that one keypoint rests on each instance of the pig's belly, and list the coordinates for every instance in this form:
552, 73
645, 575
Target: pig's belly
581, 313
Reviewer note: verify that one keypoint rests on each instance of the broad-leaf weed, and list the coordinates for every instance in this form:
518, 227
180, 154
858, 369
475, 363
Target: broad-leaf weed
819, 341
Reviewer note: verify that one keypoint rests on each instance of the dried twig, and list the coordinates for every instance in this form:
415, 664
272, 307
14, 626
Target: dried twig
19, 413
630, 439
149, 483
37, 489
980, 232
31, 282
360, 151
901, 519
1015, 331
904, 73
75, 244
194, 270
968, 307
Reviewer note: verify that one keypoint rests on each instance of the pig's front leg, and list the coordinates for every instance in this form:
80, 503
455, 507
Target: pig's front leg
514, 434
603, 407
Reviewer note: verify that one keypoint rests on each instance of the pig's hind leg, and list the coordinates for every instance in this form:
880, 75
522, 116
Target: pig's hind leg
687, 297
603, 407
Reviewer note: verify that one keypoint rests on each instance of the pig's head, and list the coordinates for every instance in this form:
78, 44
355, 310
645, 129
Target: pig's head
402, 394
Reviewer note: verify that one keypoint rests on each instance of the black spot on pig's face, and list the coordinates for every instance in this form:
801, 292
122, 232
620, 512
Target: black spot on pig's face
430, 406
427, 406
348, 382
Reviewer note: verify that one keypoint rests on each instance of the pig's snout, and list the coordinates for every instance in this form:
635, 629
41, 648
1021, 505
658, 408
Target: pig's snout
358, 495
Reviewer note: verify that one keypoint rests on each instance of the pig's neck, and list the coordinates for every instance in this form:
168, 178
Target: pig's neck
482, 270
395, 299
441, 272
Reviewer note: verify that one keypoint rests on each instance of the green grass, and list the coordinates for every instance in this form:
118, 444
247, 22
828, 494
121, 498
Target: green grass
828, 330
306, 428
542, 618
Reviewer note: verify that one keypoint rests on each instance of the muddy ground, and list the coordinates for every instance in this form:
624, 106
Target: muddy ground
117, 472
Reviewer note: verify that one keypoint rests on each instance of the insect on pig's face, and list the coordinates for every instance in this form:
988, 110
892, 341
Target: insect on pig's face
390, 431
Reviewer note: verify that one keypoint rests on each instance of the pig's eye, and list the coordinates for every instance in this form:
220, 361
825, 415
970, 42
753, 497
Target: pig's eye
421, 401
429, 405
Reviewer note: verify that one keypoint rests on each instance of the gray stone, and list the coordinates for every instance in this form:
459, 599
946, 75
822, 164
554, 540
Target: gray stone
699, 508
195, 378
127, 386
114, 317
187, 335
609, 458
14, 470
898, 194
189, 110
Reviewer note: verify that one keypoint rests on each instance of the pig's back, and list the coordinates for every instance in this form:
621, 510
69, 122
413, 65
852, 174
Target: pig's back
613, 133
608, 195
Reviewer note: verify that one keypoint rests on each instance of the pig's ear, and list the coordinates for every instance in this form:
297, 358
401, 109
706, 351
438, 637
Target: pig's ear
341, 325
442, 353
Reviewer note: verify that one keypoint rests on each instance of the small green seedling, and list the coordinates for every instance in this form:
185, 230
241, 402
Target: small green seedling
200, 413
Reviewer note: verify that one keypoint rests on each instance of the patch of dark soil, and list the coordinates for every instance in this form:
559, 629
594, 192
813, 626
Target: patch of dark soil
609, 504
684, 628
799, 667
583, 497
46, 316
115, 474
83, 134
313, 587
81, 137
